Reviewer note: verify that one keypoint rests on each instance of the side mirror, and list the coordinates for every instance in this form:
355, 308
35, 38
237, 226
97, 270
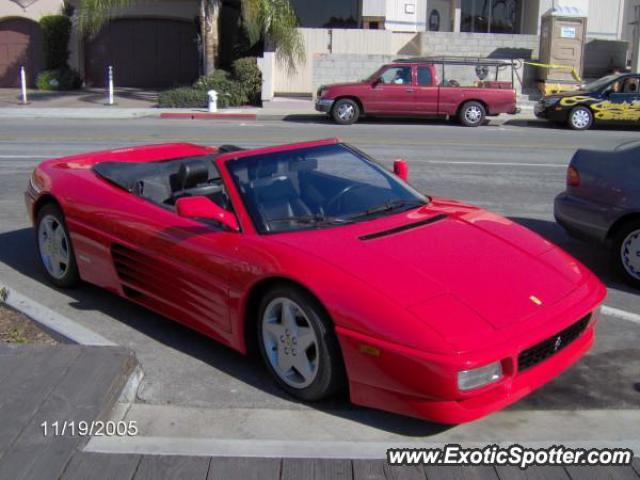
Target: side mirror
401, 169
202, 207
376, 82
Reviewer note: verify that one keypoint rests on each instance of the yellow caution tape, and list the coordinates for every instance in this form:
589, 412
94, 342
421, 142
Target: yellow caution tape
566, 68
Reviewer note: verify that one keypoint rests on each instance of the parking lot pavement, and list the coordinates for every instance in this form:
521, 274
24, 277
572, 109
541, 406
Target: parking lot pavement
513, 169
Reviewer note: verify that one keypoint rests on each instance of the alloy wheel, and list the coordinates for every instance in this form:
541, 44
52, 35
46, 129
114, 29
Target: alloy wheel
54, 246
580, 119
473, 114
346, 112
290, 343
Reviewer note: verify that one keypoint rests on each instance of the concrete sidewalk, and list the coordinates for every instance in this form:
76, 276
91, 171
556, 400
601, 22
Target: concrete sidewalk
134, 103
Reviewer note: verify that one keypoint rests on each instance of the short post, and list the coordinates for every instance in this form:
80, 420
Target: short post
110, 99
23, 83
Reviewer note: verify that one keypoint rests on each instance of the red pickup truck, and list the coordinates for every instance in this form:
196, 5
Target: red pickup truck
412, 88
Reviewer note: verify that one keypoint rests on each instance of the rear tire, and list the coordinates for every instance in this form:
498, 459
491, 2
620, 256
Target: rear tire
580, 118
472, 114
626, 253
345, 111
54, 247
298, 344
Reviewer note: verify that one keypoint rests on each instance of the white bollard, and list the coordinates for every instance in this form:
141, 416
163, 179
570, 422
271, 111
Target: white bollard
110, 99
23, 83
213, 101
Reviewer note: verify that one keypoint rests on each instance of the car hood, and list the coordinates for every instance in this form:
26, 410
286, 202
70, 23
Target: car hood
488, 264
343, 85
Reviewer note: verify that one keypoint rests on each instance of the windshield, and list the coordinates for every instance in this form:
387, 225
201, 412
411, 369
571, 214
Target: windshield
317, 187
599, 84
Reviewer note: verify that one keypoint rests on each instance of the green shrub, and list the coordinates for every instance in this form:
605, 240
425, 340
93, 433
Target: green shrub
60, 79
56, 31
230, 91
183, 97
241, 87
246, 72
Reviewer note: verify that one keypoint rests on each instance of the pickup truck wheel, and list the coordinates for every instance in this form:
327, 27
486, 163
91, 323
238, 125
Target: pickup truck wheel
580, 118
472, 114
345, 111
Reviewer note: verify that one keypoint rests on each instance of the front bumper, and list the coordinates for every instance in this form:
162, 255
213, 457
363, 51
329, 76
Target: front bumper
324, 105
487, 401
409, 382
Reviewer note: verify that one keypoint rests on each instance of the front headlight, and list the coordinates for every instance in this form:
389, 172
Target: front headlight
479, 377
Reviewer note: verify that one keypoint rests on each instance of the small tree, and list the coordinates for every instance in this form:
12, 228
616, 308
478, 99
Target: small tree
274, 22
56, 31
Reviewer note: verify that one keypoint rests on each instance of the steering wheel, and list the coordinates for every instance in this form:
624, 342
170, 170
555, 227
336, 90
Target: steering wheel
334, 200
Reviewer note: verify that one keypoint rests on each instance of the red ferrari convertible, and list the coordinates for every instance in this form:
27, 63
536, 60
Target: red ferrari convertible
335, 269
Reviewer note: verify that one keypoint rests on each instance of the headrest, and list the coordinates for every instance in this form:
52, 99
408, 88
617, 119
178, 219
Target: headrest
276, 189
192, 173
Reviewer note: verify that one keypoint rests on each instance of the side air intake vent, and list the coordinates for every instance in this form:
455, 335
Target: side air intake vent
403, 228
157, 284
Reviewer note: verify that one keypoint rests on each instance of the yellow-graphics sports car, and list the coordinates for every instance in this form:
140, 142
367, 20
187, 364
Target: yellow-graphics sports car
611, 99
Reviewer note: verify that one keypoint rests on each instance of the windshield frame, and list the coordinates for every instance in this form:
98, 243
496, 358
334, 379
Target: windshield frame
257, 220
601, 83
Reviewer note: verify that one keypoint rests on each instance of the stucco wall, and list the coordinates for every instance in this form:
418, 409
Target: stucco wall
34, 11
479, 44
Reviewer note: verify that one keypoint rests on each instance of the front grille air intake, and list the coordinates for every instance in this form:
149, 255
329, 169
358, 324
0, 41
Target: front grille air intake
543, 350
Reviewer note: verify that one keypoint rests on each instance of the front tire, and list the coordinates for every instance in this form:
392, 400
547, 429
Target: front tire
298, 344
55, 250
472, 114
626, 253
345, 111
580, 118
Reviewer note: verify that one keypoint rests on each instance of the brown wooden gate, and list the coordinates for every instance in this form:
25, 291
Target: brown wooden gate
20, 44
148, 53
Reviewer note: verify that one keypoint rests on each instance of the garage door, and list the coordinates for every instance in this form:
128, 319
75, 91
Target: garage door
144, 53
20, 44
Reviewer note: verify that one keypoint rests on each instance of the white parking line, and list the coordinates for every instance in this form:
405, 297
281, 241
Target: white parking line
621, 314
500, 164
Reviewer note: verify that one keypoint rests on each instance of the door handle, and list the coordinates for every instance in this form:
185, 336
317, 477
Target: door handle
409, 90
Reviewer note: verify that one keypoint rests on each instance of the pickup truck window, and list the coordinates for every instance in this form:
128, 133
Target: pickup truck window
424, 77
396, 76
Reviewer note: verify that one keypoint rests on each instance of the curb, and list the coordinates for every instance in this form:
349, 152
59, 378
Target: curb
209, 116
58, 325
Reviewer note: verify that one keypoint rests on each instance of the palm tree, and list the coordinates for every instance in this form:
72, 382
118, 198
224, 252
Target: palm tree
272, 21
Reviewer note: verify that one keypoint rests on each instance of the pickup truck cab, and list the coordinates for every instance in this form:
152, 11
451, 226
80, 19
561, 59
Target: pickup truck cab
413, 89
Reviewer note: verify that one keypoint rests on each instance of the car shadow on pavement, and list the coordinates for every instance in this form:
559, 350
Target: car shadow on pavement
17, 250
325, 120
545, 124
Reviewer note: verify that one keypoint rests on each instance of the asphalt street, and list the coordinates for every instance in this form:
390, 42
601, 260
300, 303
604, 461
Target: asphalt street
196, 388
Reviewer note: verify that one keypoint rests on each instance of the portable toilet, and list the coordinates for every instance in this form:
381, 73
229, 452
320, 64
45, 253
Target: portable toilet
563, 33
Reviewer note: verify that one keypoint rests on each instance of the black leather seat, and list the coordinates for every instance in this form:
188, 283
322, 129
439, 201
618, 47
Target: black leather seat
192, 180
276, 198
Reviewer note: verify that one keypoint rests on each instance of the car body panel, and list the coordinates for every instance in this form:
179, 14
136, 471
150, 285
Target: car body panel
608, 192
414, 99
606, 106
453, 286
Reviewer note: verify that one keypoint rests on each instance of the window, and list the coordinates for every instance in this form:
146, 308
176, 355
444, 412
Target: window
317, 187
396, 76
491, 16
424, 77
